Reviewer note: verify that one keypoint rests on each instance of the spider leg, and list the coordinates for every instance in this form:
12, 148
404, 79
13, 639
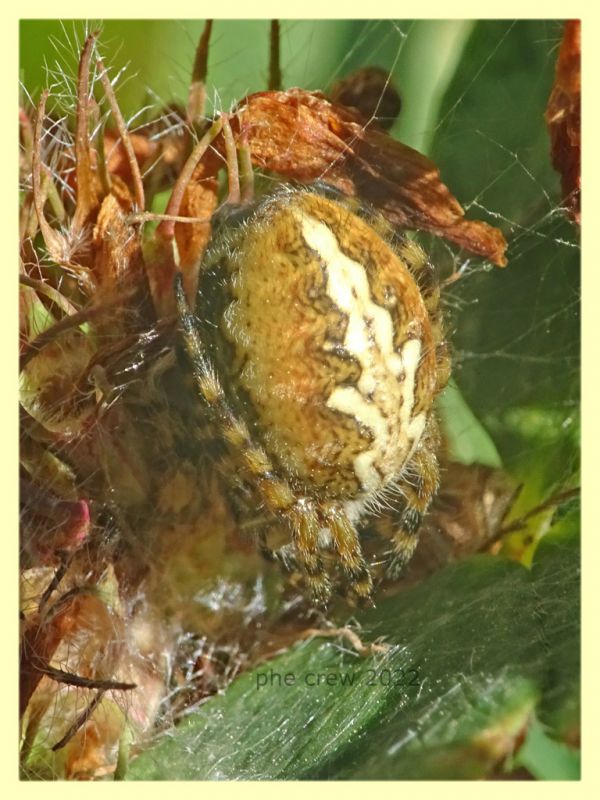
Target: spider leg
404, 539
275, 493
305, 537
302, 554
424, 274
285, 555
242, 505
403, 527
347, 545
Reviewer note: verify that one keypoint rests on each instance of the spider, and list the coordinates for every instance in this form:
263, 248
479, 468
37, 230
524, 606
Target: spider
317, 348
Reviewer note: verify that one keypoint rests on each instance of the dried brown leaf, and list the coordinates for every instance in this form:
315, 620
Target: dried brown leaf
303, 136
563, 117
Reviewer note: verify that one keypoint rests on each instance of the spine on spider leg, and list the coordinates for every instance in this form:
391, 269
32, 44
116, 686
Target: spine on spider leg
207, 382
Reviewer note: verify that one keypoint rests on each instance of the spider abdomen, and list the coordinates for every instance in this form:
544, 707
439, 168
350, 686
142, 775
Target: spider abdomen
323, 343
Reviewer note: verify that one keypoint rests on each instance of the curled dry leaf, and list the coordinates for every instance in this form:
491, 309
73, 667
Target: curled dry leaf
200, 201
113, 246
563, 117
79, 664
303, 136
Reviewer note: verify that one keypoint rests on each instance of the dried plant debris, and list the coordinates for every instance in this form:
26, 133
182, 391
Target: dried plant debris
563, 117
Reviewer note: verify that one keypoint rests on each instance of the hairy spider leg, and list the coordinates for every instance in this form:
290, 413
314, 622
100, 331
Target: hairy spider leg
347, 545
419, 487
422, 272
276, 494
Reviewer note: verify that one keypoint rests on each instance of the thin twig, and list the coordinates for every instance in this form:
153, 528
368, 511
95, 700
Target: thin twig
86, 193
555, 500
102, 164
41, 287
347, 633
53, 585
233, 172
72, 321
54, 241
148, 216
245, 164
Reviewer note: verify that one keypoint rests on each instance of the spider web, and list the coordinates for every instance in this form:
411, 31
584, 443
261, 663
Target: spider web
474, 95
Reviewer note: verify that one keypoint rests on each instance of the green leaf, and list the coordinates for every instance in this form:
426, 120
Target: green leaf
467, 440
547, 759
476, 650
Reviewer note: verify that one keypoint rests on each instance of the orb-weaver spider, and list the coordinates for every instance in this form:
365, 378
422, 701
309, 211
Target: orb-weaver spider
318, 357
